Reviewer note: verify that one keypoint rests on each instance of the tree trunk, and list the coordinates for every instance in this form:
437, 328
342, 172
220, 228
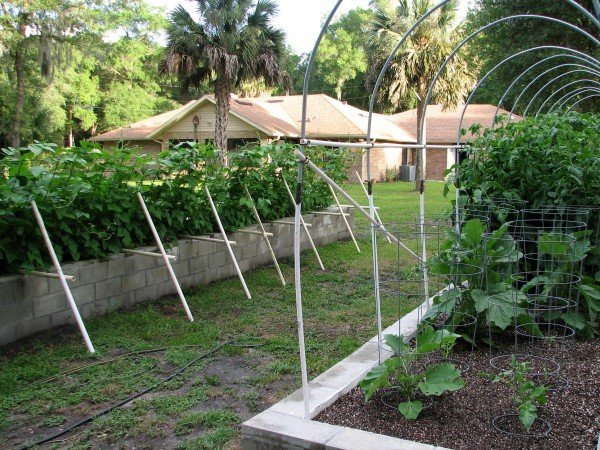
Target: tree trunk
222, 95
20, 56
69, 126
338, 89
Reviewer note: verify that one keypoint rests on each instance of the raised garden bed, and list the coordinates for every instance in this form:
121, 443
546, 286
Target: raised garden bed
462, 419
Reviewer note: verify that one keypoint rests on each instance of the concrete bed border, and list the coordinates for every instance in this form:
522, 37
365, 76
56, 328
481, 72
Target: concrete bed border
283, 424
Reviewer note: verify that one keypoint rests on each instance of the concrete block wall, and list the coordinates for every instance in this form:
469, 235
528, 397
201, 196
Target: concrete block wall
30, 304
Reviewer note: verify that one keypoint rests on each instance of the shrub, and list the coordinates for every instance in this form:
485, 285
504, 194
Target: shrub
87, 196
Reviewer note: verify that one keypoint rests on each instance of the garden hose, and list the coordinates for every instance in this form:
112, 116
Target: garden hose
179, 371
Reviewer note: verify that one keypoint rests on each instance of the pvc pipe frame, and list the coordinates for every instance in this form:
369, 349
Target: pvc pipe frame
579, 101
265, 236
583, 58
567, 97
165, 257
62, 277
303, 159
226, 242
552, 81
574, 54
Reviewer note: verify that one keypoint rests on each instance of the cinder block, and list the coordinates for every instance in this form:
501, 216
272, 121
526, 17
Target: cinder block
108, 288
146, 293
134, 280
61, 318
124, 299
84, 294
8, 291
32, 326
135, 263
181, 268
117, 266
166, 288
33, 287
49, 304
7, 333
92, 273
218, 259
199, 264
186, 250
157, 275
249, 252
18, 311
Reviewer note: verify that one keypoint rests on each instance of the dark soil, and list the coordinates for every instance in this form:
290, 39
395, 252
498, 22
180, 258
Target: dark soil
463, 419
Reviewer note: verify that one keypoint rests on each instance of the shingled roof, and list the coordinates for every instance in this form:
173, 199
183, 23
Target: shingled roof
442, 126
280, 117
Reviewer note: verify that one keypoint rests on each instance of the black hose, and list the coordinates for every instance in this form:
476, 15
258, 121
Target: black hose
125, 401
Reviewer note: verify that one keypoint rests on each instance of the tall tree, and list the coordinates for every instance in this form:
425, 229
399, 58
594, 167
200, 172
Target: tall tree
233, 42
414, 66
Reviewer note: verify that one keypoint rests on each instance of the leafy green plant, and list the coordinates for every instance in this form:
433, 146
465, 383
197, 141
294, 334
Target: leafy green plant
87, 195
528, 396
405, 374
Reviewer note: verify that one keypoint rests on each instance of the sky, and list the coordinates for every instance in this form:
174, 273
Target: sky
300, 19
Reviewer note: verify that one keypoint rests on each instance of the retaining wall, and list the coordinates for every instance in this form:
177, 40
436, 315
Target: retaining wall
31, 304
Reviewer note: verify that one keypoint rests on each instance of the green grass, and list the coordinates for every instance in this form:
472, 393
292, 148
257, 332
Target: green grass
338, 313
211, 418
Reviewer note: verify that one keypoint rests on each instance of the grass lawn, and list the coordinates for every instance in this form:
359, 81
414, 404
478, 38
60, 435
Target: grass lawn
202, 406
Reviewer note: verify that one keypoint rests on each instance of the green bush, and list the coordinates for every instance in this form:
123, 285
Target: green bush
87, 196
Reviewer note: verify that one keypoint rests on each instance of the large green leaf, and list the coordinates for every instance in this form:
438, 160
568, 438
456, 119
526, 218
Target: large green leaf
472, 232
430, 340
527, 414
440, 378
504, 307
411, 410
378, 377
396, 343
444, 303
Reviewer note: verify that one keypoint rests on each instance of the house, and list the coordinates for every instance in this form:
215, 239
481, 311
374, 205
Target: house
443, 128
272, 119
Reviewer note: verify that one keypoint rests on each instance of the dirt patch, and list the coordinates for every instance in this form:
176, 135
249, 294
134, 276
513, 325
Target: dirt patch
462, 419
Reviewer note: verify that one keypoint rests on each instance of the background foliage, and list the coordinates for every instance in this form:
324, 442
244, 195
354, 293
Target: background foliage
87, 196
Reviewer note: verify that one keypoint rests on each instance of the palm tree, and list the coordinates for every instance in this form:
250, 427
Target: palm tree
412, 70
231, 44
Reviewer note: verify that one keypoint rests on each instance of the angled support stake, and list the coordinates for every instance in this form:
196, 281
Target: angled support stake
348, 227
265, 235
304, 225
362, 184
62, 277
227, 243
167, 258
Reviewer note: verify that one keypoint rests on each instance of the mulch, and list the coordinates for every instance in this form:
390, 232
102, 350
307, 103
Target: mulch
463, 419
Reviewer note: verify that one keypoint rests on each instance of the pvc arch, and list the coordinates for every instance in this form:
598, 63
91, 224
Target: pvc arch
565, 98
579, 101
581, 80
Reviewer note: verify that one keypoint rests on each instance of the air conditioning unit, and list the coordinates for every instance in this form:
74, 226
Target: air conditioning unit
407, 173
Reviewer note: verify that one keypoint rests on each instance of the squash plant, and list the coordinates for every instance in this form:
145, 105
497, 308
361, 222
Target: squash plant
401, 371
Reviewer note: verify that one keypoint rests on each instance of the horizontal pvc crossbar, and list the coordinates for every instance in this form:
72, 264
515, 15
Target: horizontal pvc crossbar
145, 253
361, 207
207, 239
260, 233
35, 273
326, 213
315, 142
286, 222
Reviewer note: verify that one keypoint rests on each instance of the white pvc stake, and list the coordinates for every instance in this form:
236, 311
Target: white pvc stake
61, 276
165, 256
310, 240
265, 237
367, 194
348, 197
299, 314
227, 244
376, 281
424, 247
337, 202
